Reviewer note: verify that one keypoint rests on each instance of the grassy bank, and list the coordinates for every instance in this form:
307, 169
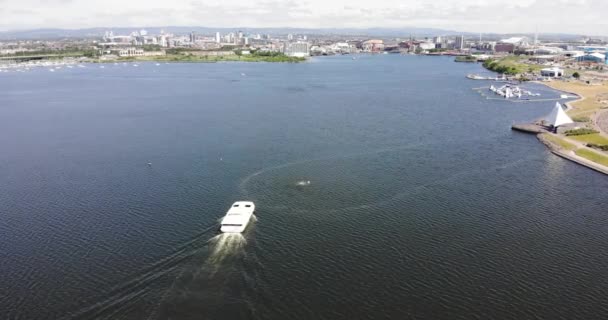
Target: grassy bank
511, 65
593, 156
189, 57
589, 104
563, 144
591, 138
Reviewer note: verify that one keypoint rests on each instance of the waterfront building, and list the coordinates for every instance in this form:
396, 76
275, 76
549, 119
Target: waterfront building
592, 57
130, 52
218, 37
552, 72
373, 45
297, 49
427, 45
504, 48
162, 41
517, 41
546, 50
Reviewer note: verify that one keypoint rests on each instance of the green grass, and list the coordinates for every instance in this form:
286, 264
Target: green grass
197, 58
560, 142
580, 132
465, 59
595, 138
593, 156
581, 119
510, 65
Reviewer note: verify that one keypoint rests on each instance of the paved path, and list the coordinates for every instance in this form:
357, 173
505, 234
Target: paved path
600, 119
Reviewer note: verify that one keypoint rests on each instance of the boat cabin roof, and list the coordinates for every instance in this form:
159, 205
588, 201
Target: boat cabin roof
241, 207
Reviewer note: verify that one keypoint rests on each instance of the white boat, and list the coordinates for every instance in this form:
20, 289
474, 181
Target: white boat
237, 217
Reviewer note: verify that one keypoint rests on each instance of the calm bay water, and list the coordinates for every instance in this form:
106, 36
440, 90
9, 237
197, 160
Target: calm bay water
423, 204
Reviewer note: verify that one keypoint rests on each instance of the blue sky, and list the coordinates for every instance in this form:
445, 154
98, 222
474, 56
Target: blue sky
512, 16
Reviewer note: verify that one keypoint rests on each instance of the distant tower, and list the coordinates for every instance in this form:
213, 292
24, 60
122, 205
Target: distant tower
192, 37
218, 37
459, 43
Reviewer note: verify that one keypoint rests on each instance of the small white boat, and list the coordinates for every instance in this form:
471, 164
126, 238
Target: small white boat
237, 217
158, 64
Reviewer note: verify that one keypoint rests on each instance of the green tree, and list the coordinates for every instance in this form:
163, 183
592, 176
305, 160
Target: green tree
576, 75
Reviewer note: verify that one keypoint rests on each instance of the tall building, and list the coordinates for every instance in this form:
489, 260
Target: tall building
290, 37
192, 37
162, 40
218, 37
459, 42
437, 40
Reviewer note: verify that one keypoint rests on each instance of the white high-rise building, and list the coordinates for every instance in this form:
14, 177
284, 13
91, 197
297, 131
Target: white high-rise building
162, 41
459, 42
218, 37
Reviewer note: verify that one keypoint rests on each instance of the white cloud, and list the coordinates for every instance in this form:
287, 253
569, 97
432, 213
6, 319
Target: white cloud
573, 16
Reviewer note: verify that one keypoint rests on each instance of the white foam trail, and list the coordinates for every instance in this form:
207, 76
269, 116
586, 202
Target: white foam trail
221, 247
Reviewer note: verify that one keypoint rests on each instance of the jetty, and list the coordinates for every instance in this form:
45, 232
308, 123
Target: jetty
530, 128
561, 146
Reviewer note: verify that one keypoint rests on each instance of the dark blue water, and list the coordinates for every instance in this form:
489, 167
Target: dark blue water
423, 204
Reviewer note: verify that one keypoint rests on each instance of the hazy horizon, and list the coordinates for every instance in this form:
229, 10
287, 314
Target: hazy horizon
514, 16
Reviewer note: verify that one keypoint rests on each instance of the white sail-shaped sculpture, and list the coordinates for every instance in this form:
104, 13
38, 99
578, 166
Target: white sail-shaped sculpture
558, 116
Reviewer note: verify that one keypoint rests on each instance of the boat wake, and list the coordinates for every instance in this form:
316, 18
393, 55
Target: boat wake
223, 247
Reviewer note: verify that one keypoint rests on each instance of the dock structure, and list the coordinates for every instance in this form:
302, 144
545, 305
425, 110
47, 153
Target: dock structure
530, 128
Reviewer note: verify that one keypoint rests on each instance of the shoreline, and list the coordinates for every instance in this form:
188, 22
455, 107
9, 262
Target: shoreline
571, 155
567, 153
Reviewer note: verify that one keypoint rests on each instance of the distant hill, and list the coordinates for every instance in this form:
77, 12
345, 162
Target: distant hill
369, 32
98, 32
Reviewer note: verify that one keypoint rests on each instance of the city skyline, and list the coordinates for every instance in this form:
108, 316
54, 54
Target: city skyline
516, 16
